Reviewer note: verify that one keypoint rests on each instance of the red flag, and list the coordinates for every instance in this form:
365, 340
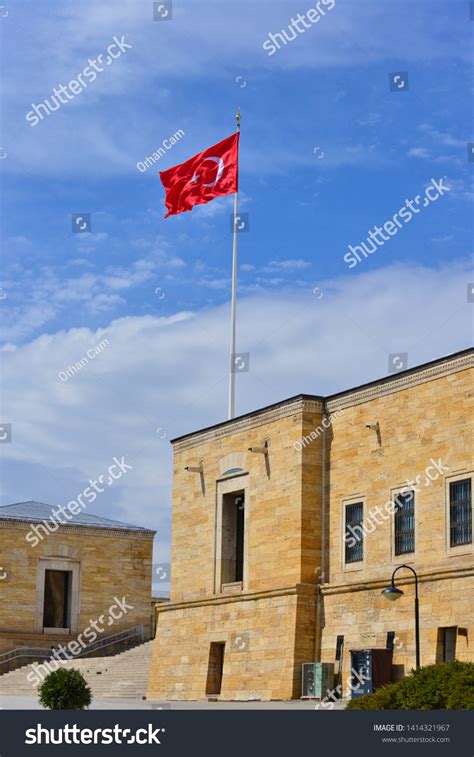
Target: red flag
212, 173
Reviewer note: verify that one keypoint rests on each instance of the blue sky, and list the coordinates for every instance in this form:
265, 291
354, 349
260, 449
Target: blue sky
166, 364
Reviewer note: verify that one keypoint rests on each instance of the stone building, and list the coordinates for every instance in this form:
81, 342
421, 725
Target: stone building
288, 522
87, 578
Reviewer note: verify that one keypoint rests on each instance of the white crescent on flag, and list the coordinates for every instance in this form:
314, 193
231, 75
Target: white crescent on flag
220, 171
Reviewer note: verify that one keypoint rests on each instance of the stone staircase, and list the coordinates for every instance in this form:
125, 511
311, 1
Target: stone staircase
121, 676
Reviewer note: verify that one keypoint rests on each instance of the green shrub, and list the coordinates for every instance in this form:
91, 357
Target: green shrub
446, 686
65, 689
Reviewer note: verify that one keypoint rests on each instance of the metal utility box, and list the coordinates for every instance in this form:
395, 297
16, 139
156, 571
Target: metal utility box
317, 679
370, 669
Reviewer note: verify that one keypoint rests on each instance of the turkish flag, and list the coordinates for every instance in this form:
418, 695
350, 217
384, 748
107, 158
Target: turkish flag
212, 173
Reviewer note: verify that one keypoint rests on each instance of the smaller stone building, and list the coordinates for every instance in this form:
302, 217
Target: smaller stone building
84, 579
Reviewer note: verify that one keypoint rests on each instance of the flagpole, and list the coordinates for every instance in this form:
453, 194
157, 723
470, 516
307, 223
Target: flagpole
233, 307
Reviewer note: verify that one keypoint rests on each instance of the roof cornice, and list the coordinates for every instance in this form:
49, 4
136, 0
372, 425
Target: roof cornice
312, 403
399, 382
249, 421
66, 528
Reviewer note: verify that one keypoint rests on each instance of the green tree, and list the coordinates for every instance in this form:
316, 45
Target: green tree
65, 689
446, 686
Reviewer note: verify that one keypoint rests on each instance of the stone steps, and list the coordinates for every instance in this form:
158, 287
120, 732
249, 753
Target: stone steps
125, 675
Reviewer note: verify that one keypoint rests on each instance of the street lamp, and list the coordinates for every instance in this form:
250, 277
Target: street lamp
392, 593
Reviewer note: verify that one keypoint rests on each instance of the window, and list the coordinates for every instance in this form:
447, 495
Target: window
405, 523
460, 512
354, 533
239, 538
232, 471
446, 651
233, 532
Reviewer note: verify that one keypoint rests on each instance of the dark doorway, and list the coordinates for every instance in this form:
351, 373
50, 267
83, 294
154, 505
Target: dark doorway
57, 598
233, 537
215, 668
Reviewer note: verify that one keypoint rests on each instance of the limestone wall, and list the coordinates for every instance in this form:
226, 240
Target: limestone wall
110, 564
282, 527
364, 618
262, 658
428, 422
421, 430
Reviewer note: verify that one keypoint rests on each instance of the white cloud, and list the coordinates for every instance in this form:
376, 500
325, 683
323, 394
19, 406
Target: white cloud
85, 239
171, 374
443, 138
288, 265
18, 240
371, 119
222, 283
446, 238
37, 298
418, 152
81, 136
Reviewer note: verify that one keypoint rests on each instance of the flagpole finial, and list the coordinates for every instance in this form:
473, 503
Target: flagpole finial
237, 118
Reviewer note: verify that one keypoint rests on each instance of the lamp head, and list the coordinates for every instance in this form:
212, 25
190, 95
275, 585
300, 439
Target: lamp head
263, 450
195, 468
392, 593
373, 426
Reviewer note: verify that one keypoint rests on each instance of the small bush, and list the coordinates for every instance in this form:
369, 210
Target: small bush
446, 686
65, 689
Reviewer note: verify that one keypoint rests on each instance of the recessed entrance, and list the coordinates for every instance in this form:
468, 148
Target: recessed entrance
215, 668
57, 599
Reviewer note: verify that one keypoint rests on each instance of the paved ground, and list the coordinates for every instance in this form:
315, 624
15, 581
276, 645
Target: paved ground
31, 703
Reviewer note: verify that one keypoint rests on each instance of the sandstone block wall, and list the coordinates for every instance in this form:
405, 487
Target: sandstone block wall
418, 420
263, 647
110, 564
280, 551
420, 424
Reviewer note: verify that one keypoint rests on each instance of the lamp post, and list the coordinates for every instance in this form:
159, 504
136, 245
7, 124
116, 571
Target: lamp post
392, 593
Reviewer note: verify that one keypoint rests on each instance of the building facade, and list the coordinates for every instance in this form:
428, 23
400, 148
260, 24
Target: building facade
87, 578
288, 523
